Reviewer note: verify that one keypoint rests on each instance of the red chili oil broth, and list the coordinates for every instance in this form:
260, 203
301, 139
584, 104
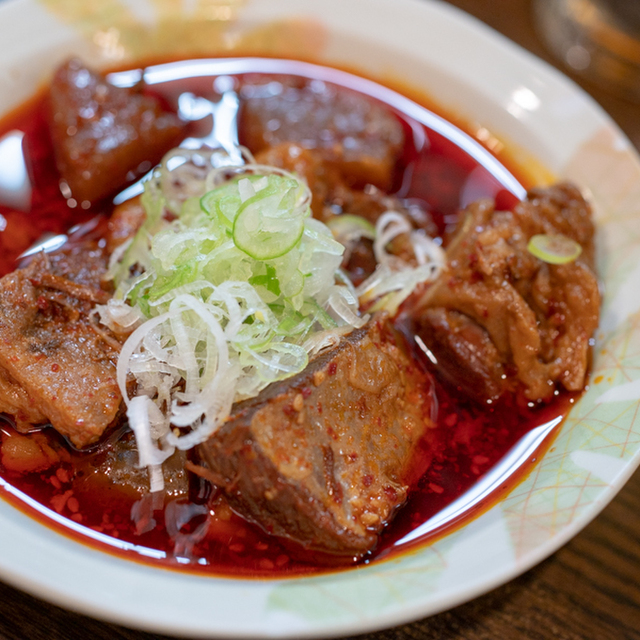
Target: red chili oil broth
443, 169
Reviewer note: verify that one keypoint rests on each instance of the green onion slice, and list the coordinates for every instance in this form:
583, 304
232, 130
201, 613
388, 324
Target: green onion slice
225, 201
554, 249
269, 223
348, 227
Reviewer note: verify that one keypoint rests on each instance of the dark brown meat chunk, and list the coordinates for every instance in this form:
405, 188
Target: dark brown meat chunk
105, 136
357, 135
325, 458
499, 318
54, 364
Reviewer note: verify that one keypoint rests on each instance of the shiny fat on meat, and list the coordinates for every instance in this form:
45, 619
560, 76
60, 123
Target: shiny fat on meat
326, 458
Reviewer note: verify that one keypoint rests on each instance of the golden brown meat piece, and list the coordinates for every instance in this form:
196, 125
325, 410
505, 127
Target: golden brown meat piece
325, 458
360, 137
105, 136
499, 317
54, 364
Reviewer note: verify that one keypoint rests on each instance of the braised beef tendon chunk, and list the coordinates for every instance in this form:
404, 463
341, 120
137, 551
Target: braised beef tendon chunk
105, 136
324, 458
499, 318
356, 135
54, 366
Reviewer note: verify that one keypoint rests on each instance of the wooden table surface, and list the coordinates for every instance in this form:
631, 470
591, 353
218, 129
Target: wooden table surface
588, 590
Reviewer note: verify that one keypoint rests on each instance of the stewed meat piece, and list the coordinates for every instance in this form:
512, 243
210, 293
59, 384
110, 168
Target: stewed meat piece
105, 136
55, 366
325, 458
499, 318
363, 139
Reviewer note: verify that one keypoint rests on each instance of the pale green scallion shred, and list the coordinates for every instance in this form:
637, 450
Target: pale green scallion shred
232, 288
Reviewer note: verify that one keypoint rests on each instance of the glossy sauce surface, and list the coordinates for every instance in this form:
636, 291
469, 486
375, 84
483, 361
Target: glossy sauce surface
486, 449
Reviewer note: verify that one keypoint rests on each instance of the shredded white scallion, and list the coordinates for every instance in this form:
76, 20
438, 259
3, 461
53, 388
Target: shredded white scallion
394, 279
221, 300
235, 289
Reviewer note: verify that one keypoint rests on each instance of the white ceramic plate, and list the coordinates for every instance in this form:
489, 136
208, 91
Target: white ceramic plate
489, 81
